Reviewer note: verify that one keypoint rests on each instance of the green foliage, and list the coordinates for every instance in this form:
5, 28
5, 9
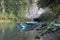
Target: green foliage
48, 16
47, 27
15, 9
48, 3
51, 19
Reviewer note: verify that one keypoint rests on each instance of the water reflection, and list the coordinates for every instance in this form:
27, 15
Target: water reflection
8, 30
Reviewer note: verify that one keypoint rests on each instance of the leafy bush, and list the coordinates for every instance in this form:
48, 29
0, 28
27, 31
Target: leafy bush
47, 27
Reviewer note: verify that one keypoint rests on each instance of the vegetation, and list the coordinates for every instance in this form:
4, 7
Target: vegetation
15, 9
10, 12
51, 19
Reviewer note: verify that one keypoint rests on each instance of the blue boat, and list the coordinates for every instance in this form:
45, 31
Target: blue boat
27, 26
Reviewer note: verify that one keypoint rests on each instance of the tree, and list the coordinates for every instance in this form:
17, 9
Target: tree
17, 6
48, 3
54, 12
54, 6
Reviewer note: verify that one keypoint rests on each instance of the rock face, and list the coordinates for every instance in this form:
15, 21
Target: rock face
34, 12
